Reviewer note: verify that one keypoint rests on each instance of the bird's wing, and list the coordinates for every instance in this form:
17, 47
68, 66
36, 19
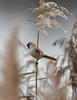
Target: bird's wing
39, 51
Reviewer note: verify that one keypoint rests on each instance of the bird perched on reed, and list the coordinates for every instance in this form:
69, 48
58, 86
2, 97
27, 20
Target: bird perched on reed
35, 52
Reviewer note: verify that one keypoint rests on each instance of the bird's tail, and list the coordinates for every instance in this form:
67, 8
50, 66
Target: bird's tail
51, 58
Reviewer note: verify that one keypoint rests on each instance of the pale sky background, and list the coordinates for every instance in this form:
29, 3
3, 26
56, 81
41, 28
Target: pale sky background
16, 11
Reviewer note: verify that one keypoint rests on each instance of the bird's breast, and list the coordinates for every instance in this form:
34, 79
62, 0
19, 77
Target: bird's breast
36, 53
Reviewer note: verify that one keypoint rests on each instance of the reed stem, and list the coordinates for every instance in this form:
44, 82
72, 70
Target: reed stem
38, 39
36, 74
37, 65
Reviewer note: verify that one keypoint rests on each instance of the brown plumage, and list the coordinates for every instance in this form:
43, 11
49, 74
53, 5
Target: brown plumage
35, 52
51, 58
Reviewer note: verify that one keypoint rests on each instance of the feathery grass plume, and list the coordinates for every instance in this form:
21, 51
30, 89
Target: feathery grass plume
47, 13
9, 89
73, 55
69, 61
64, 67
12, 72
50, 86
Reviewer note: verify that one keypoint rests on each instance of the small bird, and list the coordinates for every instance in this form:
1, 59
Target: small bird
35, 52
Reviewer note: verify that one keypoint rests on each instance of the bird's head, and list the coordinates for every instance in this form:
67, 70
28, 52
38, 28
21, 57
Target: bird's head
30, 45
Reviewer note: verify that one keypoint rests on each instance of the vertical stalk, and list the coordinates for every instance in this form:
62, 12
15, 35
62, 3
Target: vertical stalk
37, 64
36, 74
38, 39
